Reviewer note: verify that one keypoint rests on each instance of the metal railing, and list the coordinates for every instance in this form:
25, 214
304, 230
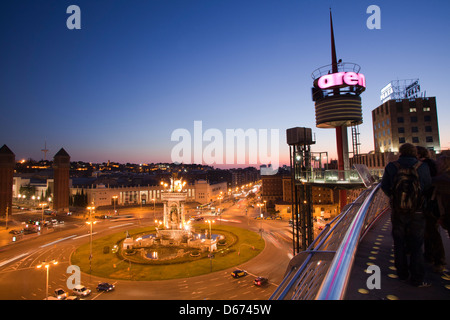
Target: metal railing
335, 176
322, 271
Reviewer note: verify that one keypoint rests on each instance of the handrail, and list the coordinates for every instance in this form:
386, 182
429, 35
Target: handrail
335, 282
322, 271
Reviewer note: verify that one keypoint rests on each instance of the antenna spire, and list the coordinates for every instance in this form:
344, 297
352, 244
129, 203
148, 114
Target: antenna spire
333, 47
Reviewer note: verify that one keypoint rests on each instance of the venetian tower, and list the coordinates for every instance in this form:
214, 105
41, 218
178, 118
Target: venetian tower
7, 162
61, 167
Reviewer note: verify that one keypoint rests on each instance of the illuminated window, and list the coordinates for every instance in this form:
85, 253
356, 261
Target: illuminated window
426, 109
412, 110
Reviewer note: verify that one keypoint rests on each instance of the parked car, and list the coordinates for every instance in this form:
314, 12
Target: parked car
81, 290
238, 273
61, 294
104, 286
260, 281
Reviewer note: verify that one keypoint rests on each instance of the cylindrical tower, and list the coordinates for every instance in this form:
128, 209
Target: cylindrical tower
336, 93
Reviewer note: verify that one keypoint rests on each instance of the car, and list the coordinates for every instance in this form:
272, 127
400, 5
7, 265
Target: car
105, 286
259, 281
238, 273
61, 294
81, 290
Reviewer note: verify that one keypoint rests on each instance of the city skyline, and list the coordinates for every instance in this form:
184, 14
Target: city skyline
133, 74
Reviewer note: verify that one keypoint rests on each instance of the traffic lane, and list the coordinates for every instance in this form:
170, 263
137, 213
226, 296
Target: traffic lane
191, 290
219, 285
21, 263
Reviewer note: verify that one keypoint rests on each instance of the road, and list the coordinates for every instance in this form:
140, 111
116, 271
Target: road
20, 279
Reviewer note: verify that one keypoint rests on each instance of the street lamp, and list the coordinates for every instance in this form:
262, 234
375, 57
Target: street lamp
114, 201
261, 216
43, 205
154, 214
209, 221
90, 223
47, 266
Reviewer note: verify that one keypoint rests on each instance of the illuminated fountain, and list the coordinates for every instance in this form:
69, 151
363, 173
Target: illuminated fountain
174, 222
174, 237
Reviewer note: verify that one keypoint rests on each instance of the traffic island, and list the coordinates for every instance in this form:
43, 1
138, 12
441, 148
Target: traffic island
116, 257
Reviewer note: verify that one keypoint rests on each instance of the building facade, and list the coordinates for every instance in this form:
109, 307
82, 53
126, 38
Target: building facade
399, 121
101, 195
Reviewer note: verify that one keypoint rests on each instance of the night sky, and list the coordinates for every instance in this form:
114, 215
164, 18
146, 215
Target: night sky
137, 70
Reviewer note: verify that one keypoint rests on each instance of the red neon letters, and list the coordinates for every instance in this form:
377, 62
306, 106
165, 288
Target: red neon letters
341, 79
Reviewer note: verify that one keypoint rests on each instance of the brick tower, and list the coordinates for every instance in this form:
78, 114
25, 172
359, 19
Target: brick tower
7, 162
61, 166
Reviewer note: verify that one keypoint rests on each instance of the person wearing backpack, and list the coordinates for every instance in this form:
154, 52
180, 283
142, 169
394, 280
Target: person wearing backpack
405, 182
434, 251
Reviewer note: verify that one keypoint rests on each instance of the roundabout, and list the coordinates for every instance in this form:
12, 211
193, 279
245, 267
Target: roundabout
112, 259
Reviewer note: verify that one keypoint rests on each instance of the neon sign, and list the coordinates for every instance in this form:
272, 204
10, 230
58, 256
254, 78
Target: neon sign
340, 79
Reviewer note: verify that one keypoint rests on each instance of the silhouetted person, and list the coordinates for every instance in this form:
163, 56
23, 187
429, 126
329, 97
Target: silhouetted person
441, 183
405, 181
434, 251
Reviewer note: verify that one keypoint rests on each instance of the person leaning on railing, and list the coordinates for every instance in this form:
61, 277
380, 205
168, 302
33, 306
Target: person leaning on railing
408, 229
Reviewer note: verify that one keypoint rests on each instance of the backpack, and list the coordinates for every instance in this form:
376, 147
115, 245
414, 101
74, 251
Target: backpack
406, 192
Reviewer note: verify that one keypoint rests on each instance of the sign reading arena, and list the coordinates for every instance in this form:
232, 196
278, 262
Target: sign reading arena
341, 79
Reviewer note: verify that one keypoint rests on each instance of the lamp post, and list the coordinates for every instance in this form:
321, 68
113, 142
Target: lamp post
47, 266
43, 205
154, 214
114, 201
209, 221
90, 223
261, 216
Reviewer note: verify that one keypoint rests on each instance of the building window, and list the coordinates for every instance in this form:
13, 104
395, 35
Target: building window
414, 129
401, 140
427, 118
412, 110
426, 109
428, 129
414, 119
415, 139
429, 139
401, 130
400, 120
